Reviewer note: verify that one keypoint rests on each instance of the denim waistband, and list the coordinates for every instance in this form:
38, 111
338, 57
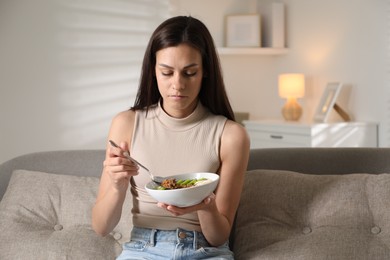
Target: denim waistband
179, 235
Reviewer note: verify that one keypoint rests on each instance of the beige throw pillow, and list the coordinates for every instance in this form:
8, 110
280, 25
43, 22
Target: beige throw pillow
289, 215
48, 216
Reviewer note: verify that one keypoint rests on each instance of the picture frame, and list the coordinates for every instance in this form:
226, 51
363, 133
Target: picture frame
327, 102
243, 30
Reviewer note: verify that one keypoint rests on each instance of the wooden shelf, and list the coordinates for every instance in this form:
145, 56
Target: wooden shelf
252, 51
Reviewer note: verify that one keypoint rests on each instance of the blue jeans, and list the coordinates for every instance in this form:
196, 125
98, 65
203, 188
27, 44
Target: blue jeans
171, 244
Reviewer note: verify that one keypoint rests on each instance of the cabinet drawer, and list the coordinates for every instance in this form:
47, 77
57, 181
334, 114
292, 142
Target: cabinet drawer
275, 139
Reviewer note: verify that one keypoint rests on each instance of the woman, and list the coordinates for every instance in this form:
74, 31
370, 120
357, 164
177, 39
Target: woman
181, 122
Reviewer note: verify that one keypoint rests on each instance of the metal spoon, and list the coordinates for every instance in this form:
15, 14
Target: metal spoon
156, 179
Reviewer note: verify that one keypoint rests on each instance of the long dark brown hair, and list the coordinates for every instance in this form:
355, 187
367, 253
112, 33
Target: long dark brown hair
191, 31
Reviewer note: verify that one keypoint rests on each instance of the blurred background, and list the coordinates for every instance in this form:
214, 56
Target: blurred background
67, 67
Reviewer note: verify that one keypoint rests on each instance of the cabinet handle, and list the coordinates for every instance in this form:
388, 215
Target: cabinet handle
276, 136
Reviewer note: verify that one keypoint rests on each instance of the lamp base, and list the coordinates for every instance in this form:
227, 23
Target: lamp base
292, 111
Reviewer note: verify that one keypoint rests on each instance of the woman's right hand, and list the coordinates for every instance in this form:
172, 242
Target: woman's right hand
119, 168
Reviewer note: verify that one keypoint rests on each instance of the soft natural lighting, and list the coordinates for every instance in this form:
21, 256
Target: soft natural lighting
102, 44
339, 134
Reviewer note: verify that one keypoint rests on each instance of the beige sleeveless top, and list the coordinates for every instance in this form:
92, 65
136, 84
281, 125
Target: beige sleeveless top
169, 146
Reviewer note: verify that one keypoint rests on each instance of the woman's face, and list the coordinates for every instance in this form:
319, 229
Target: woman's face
179, 74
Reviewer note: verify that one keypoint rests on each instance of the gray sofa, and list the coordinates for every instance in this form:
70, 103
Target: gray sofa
297, 203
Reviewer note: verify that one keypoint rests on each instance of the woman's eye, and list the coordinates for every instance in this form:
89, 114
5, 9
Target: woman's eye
166, 73
185, 73
190, 73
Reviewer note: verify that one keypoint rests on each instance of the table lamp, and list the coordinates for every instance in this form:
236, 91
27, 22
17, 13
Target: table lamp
291, 87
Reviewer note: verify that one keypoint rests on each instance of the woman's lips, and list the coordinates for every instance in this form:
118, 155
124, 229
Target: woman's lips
177, 96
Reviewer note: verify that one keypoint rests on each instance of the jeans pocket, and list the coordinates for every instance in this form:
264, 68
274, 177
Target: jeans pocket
222, 252
135, 245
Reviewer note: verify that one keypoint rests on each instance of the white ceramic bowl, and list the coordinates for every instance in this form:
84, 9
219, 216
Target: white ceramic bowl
186, 196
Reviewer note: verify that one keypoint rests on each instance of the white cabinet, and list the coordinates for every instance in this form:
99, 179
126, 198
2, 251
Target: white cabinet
269, 134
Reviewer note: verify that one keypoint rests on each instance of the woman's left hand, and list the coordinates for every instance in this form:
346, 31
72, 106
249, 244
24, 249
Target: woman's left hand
178, 211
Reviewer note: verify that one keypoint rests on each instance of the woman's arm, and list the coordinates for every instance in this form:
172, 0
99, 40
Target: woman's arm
216, 213
115, 178
217, 220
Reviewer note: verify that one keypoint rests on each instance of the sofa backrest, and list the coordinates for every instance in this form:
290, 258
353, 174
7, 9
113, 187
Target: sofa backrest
72, 162
322, 160
305, 160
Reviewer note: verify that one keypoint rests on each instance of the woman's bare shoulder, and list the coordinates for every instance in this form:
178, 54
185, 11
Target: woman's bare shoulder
122, 125
124, 117
235, 140
235, 133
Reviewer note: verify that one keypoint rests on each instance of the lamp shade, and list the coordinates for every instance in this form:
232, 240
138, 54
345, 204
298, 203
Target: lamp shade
291, 85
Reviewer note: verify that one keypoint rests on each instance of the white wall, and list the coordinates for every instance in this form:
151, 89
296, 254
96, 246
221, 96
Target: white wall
333, 40
66, 68
28, 93
327, 40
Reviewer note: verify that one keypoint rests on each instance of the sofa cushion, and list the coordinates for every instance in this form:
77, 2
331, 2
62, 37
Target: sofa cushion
290, 215
55, 211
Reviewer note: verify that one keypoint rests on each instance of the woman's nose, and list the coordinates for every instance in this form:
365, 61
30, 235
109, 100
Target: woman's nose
178, 83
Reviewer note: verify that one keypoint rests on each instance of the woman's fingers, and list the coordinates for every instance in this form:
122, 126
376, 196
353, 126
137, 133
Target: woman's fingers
119, 168
120, 161
116, 152
177, 211
124, 146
